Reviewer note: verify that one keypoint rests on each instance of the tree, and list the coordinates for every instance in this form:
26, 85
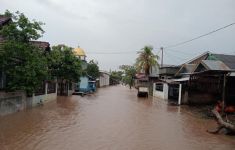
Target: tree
21, 29
93, 69
116, 75
23, 63
64, 65
129, 74
146, 60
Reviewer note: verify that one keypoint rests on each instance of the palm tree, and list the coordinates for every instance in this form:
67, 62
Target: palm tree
146, 60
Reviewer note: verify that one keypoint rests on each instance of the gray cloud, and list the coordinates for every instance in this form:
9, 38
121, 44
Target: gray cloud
128, 25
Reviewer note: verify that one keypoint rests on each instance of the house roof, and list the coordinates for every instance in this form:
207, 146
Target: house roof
229, 60
168, 66
41, 44
211, 65
186, 69
215, 65
199, 58
4, 20
104, 72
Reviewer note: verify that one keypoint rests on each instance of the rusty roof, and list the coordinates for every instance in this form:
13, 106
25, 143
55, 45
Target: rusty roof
215, 65
41, 44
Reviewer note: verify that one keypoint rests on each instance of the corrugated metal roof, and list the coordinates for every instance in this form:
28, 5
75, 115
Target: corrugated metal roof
215, 65
232, 74
229, 60
186, 69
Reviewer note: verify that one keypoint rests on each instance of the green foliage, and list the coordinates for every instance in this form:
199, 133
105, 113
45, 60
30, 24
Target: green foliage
129, 74
21, 29
63, 64
93, 69
24, 71
116, 75
24, 64
146, 60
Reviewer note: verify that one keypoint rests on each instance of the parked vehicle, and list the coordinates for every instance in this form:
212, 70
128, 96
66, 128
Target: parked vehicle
143, 91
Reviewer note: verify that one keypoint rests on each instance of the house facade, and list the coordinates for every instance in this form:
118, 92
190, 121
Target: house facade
104, 79
200, 80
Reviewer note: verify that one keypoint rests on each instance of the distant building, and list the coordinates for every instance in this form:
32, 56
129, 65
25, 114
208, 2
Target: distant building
104, 79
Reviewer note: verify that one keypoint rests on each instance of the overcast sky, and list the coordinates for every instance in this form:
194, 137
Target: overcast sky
117, 26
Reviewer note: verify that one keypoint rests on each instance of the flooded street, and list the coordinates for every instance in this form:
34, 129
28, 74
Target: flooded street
111, 119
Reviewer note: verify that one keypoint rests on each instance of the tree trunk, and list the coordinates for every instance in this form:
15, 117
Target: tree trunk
222, 124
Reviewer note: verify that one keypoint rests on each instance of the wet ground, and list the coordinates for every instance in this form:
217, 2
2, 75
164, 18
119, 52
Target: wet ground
111, 119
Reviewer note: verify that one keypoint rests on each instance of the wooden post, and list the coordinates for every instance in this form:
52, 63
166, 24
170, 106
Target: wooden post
223, 96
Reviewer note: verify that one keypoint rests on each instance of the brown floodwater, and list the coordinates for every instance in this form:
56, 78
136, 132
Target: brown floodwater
111, 119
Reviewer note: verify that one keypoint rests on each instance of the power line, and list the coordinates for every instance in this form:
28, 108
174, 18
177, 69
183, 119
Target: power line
198, 37
175, 58
181, 52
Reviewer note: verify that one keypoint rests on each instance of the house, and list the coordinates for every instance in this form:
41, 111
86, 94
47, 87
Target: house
87, 83
160, 86
199, 80
210, 80
104, 79
168, 71
206, 80
178, 85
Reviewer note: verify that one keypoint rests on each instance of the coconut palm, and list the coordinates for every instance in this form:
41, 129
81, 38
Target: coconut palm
146, 60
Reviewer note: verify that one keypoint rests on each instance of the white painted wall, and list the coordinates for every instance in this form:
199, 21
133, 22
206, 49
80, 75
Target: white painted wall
161, 94
104, 79
44, 98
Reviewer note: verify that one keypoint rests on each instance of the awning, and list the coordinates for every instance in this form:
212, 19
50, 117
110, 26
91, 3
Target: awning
181, 79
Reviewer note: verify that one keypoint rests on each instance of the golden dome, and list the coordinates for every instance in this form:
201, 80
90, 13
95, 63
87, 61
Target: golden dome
79, 52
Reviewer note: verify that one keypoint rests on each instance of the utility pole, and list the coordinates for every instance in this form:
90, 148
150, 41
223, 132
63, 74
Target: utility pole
162, 57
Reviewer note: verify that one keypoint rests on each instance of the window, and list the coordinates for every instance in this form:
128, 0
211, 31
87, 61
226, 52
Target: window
159, 87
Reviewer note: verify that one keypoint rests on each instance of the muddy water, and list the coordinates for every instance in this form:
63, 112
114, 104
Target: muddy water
112, 119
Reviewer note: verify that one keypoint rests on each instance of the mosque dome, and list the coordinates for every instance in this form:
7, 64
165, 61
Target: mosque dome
79, 52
